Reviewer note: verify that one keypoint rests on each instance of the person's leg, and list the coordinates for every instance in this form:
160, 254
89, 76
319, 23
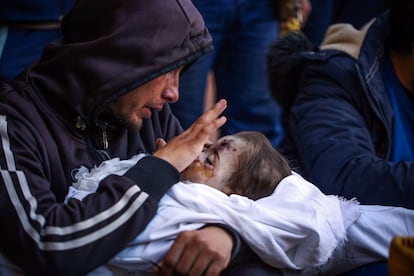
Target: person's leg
377, 269
252, 268
319, 20
216, 14
21, 48
240, 72
250, 264
368, 240
358, 12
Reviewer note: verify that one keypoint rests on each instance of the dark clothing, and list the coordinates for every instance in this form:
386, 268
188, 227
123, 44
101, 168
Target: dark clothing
325, 13
22, 47
242, 32
51, 124
342, 121
26, 27
33, 11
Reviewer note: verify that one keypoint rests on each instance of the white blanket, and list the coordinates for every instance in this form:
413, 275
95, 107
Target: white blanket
296, 227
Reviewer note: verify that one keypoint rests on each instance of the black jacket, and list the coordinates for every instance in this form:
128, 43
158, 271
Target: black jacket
51, 124
342, 120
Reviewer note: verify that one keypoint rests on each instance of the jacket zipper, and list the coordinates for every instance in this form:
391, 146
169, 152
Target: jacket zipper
105, 143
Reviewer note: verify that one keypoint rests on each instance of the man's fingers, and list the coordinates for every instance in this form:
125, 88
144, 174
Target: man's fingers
188, 260
184, 148
208, 123
203, 252
214, 111
204, 134
209, 116
168, 264
160, 143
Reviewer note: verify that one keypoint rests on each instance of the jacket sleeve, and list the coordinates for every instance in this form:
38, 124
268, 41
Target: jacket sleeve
143, 174
44, 236
335, 146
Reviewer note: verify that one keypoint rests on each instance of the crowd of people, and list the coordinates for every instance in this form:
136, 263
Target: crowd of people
116, 100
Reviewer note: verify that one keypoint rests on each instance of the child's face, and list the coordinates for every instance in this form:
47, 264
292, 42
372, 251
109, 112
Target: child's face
216, 163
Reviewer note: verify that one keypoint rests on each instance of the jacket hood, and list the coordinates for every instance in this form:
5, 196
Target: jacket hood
344, 37
111, 47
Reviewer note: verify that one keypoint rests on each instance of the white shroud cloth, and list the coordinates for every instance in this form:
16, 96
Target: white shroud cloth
296, 227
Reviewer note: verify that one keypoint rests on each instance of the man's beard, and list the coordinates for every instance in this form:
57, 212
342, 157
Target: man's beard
120, 120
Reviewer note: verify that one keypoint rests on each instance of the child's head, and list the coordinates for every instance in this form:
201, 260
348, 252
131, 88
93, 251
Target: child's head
244, 163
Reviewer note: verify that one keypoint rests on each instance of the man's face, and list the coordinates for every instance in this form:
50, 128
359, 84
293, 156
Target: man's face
136, 105
216, 163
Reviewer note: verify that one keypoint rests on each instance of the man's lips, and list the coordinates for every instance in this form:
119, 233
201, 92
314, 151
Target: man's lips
147, 112
156, 108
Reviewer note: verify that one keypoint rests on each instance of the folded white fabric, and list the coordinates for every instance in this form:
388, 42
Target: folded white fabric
296, 227
88, 181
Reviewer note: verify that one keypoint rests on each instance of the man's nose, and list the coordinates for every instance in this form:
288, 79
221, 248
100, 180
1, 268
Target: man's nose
171, 93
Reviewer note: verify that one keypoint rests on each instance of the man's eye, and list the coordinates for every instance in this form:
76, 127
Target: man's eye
208, 161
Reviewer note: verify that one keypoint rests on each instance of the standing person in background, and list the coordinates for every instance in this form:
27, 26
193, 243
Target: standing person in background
242, 32
26, 27
103, 92
327, 12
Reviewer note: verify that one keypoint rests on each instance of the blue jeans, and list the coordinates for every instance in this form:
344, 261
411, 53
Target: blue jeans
242, 31
20, 47
368, 241
327, 12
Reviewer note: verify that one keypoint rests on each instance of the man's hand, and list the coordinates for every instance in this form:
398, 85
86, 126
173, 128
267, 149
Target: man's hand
203, 252
184, 148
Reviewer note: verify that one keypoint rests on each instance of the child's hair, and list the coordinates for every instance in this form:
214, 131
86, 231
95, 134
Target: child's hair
259, 169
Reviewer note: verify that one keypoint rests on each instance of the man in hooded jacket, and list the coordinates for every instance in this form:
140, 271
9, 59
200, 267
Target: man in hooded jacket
114, 72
